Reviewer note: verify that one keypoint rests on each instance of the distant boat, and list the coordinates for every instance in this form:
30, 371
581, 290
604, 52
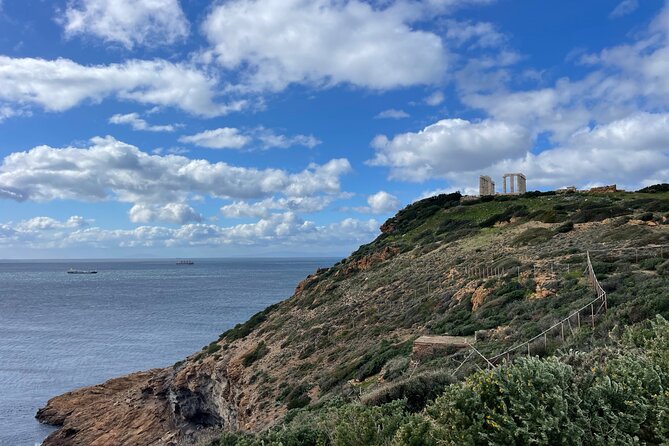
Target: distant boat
80, 271
185, 262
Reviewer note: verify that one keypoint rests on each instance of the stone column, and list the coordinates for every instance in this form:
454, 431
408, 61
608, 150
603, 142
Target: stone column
504, 179
522, 183
512, 181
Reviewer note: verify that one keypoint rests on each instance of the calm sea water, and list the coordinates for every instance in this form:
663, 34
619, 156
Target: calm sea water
61, 331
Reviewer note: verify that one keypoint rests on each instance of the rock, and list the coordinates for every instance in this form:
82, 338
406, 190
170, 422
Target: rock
130, 410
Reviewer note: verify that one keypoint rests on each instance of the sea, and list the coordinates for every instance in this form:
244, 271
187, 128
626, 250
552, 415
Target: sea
60, 331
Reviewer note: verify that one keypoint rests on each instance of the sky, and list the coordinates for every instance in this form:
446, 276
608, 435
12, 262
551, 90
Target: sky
193, 128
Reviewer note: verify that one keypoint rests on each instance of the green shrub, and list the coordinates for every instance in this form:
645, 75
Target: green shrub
514, 210
656, 188
650, 264
213, 348
565, 227
297, 397
242, 330
533, 236
417, 391
532, 402
254, 355
369, 426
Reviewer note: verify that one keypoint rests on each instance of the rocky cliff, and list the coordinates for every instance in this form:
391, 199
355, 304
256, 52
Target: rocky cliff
349, 329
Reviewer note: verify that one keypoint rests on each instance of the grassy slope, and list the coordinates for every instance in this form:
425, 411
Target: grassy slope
346, 334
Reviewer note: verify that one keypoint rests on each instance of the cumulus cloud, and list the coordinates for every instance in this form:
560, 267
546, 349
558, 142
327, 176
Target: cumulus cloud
435, 99
48, 223
619, 82
263, 208
179, 213
631, 152
61, 84
380, 203
222, 138
110, 169
275, 230
232, 138
450, 145
324, 43
137, 123
127, 22
392, 113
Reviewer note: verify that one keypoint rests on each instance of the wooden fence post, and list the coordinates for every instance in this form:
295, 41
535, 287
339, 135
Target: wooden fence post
592, 309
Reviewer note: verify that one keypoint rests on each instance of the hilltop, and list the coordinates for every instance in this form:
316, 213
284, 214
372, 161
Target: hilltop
502, 268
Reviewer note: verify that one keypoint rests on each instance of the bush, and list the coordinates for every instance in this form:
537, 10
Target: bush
257, 353
213, 348
565, 227
242, 330
515, 210
650, 264
654, 189
369, 426
533, 236
298, 398
417, 391
532, 402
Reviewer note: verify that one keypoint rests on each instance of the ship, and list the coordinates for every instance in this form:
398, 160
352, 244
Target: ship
81, 271
185, 262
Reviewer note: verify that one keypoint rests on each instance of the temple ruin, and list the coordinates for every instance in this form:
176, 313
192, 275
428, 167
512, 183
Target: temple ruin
517, 183
486, 186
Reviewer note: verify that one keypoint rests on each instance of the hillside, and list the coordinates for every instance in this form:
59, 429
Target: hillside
505, 267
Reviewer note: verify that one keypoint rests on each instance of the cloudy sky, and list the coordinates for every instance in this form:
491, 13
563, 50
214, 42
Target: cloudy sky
142, 128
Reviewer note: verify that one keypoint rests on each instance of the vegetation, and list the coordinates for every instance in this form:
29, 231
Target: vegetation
614, 395
338, 354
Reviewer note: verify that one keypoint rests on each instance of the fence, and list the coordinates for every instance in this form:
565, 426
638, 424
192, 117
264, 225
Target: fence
486, 272
601, 302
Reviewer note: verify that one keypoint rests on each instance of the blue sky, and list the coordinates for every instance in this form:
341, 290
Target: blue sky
296, 127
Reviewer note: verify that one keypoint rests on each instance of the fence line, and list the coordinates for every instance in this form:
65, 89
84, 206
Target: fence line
485, 272
601, 299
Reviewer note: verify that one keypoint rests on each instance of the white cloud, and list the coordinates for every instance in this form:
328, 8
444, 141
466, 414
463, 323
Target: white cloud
623, 80
631, 152
112, 170
58, 85
222, 138
138, 123
127, 22
274, 231
179, 213
392, 113
48, 223
474, 34
268, 139
624, 8
380, 203
232, 138
324, 43
450, 145
451, 5
263, 208
435, 99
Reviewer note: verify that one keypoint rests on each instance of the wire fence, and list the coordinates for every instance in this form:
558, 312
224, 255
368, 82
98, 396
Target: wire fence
596, 306
487, 272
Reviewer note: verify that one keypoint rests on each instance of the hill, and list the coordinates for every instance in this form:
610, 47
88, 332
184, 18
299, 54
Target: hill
501, 268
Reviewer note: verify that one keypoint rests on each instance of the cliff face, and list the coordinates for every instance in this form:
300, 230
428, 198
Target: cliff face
355, 322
